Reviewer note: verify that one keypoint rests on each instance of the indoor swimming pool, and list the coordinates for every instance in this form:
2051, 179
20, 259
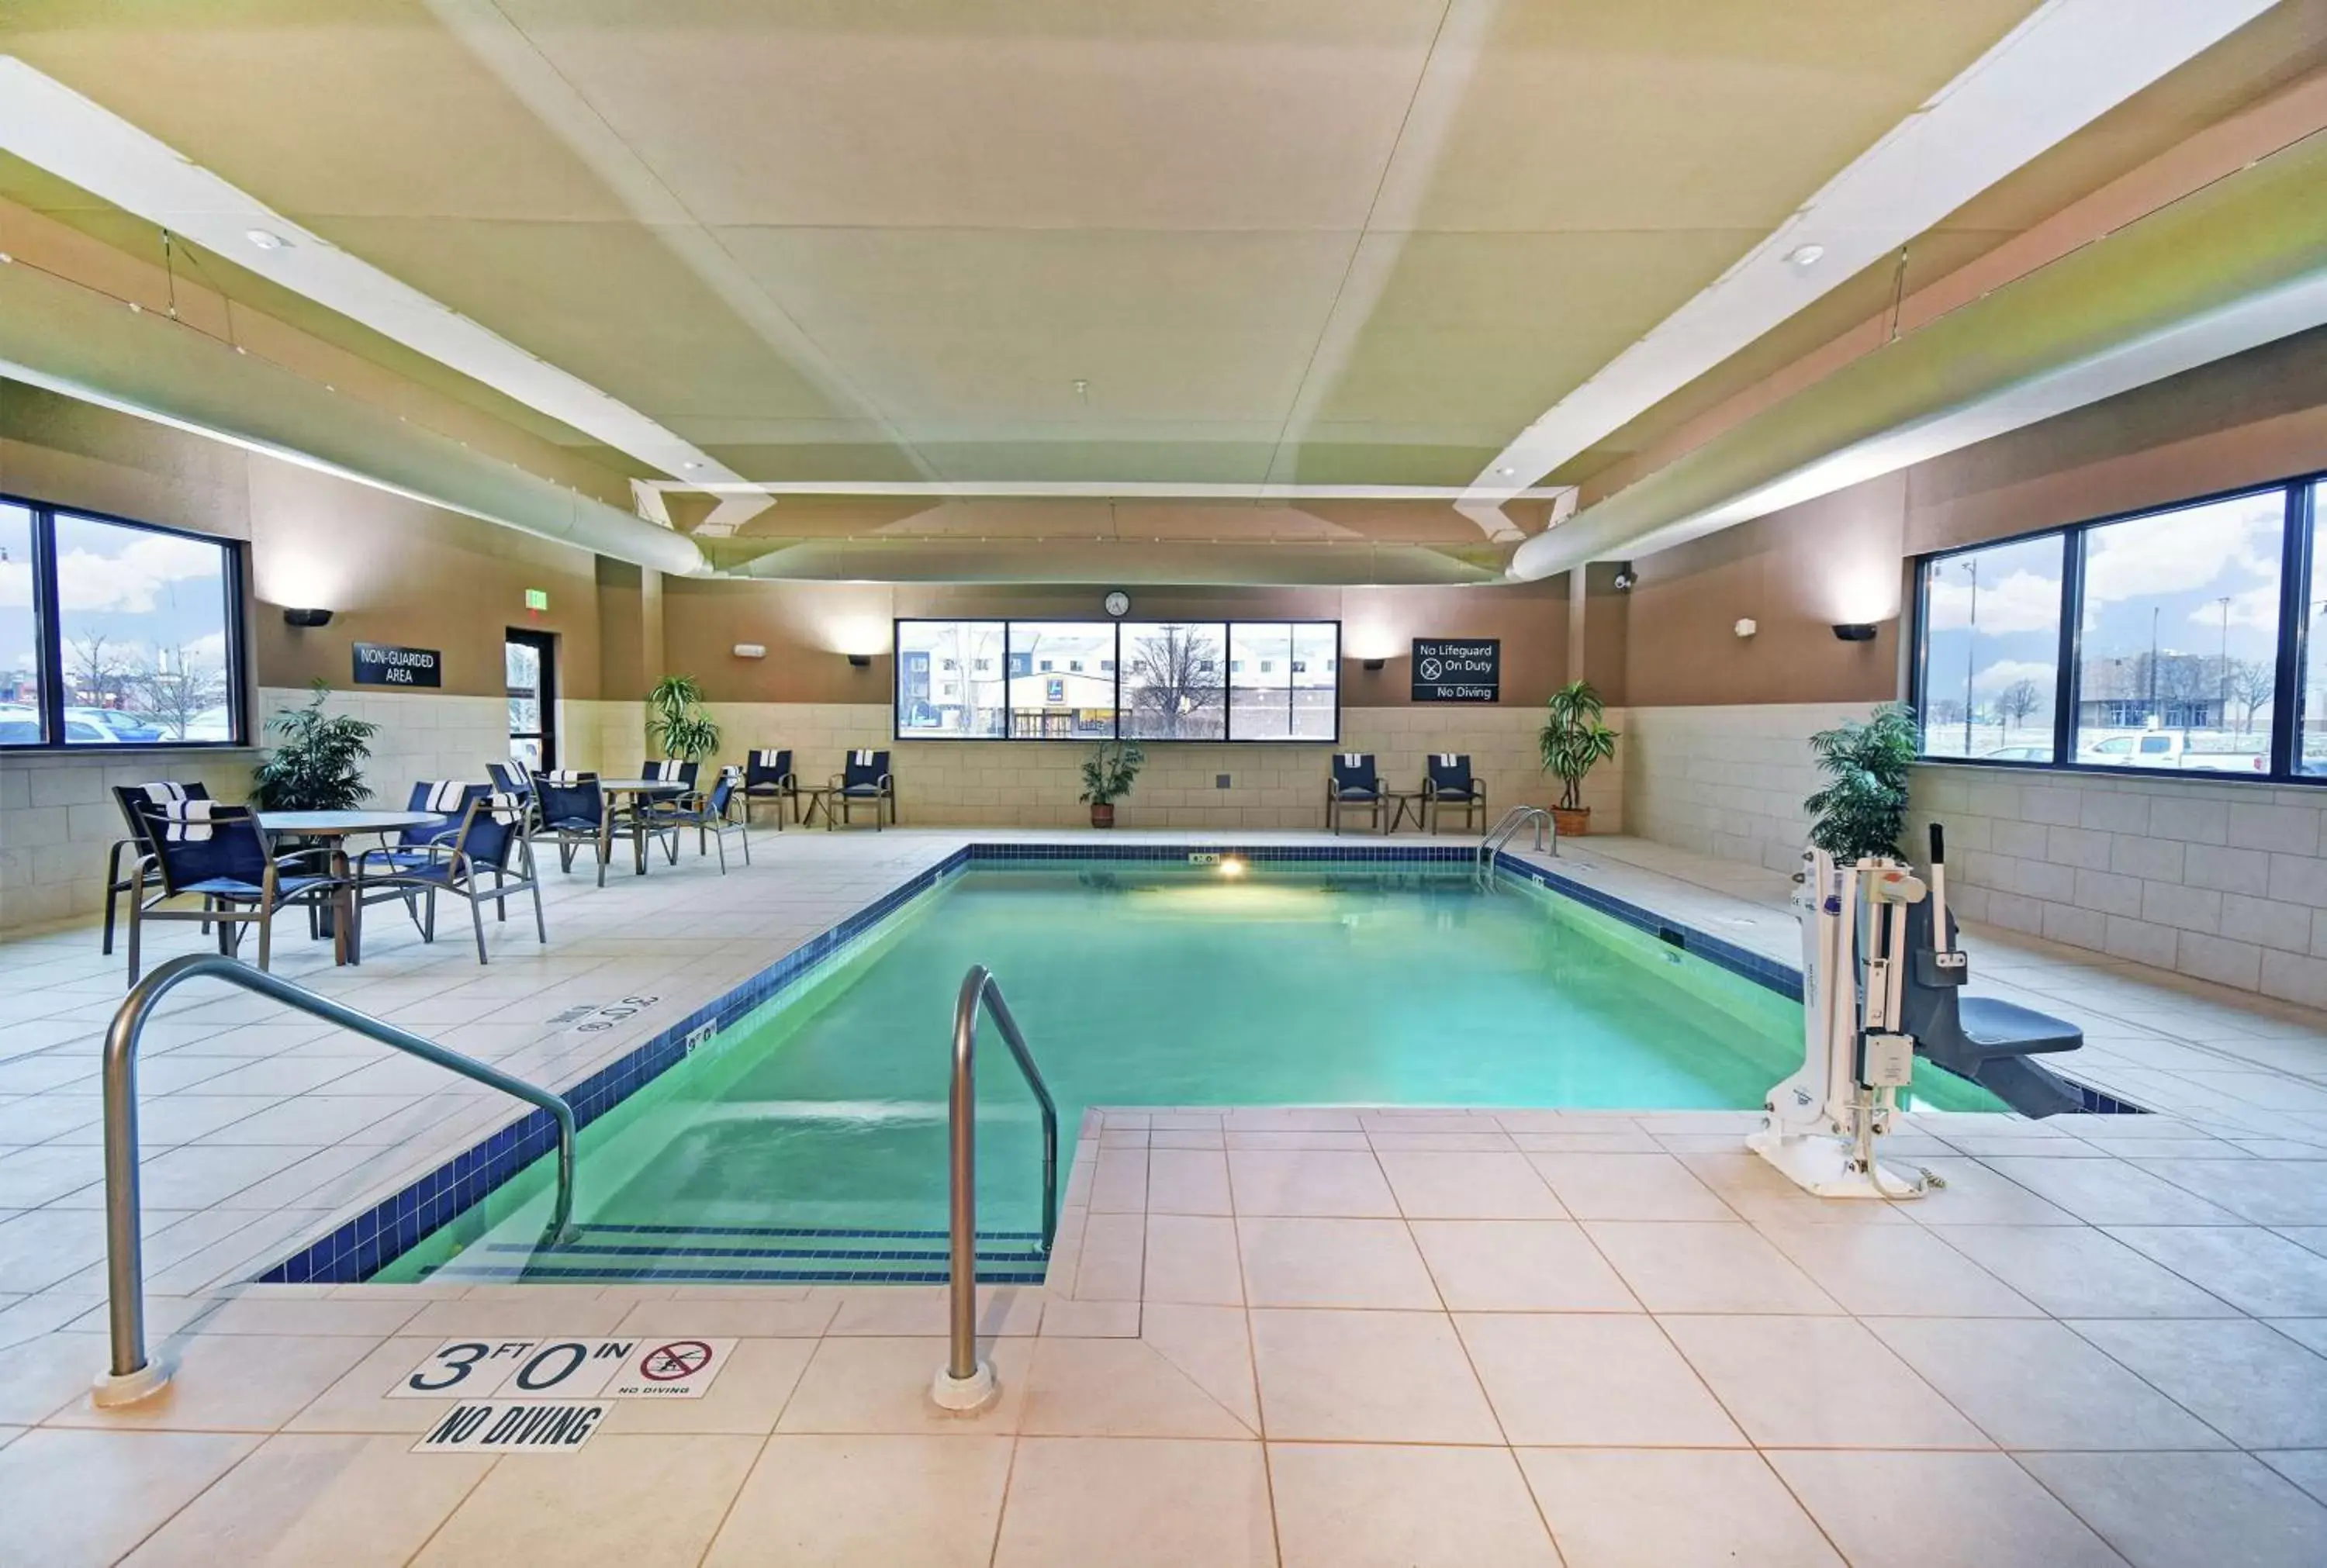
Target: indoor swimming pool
809, 1139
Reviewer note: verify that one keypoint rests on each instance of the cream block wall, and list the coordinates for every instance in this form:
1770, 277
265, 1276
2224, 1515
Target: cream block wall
1727, 781
1034, 784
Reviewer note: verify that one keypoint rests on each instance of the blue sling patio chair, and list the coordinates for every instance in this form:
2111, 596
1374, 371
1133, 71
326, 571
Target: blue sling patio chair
717, 813
489, 857
1447, 780
137, 846
863, 777
1352, 783
769, 776
216, 853
570, 811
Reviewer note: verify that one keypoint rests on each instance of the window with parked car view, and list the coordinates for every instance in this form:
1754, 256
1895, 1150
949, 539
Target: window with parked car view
113, 634
2151, 642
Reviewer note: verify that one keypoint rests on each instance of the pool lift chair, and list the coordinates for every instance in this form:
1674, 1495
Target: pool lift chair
1878, 990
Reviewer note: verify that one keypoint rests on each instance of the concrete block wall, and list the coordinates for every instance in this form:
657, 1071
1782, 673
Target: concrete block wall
1725, 781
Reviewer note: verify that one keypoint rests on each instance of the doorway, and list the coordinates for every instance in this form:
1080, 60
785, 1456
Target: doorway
531, 657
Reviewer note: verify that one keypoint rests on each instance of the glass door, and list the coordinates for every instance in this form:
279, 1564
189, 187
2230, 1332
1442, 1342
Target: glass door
531, 657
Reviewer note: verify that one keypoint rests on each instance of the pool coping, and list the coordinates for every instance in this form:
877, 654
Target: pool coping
361, 1247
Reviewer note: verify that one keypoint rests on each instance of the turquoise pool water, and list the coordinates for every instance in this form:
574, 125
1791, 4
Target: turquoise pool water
1139, 983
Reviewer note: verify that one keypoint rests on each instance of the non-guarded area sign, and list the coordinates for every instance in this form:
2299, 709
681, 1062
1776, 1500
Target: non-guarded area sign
548, 1395
378, 664
1448, 669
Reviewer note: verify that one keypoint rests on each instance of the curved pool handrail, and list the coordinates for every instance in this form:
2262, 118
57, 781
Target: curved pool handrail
1509, 828
132, 1376
979, 988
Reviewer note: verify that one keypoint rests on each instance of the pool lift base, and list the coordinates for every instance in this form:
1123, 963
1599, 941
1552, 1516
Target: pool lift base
113, 1389
966, 1395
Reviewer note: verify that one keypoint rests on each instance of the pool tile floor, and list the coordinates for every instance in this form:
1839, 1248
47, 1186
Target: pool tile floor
1295, 1336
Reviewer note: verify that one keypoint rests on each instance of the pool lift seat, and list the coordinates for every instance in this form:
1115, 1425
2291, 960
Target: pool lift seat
1878, 991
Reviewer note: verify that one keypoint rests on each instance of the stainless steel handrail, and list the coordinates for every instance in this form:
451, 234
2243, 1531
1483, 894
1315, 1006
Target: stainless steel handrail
132, 1375
973, 1384
1508, 828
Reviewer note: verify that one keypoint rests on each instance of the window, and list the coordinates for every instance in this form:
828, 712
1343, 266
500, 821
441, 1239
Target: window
1992, 651
2183, 630
2310, 749
934, 697
114, 634
1075, 680
1175, 688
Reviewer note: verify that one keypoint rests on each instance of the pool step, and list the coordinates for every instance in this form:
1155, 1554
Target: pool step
617, 1254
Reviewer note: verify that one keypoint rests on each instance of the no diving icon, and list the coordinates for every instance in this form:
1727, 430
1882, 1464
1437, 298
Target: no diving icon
680, 1369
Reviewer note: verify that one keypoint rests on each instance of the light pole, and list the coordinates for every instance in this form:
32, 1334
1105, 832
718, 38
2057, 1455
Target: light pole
2223, 720
2156, 719
1971, 641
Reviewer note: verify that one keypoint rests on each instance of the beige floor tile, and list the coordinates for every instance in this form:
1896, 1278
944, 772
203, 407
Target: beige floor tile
528, 1317
1859, 1396
635, 1502
896, 1310
1518, 1265
2189, 1510
2246, 1380
1113, 1250
1135, 1503
304, 1498
1367, 1377
1710, 1267
1063, 1317
745, 1398
1118, 1388
2110, 1191
70, 1498
1629, 1186
47, 1374
756, 1320
1976, 1195
1213, 1346
1334, 1263
2076, 1272
1376, 1505
2306, 1468
2032, 1384
265, 1311
867, 1502
1938, 1510
1188, 1182
1192, 1260
1469, 1186
1598, 1379
884, 1385
1306, 1182
2251, 1269
230, 1383
1671, 1508
1902, 1270
358, 1402
1119, 1184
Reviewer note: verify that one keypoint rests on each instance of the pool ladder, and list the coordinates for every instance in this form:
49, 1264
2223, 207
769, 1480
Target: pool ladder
131, 1375
1513, 822
964, 1384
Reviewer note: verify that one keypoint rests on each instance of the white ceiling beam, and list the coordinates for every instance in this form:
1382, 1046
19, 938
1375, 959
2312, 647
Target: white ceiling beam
2068, 63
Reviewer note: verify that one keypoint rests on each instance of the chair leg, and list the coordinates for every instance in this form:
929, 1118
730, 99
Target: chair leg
428, 932
113, 890
137, 926
477, 918
745, 829
266, 933
540, 927
722, 854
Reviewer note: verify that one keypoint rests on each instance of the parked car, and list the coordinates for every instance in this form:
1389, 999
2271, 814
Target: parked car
21, 726
2168, 749
2018, 754
127, 728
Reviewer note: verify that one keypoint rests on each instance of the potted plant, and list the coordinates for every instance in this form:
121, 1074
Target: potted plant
317, 762
676, 723
1108, 775
1573, 741
1862, 809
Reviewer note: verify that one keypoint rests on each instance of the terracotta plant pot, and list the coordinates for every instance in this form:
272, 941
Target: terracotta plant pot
1102, 815
1573, 824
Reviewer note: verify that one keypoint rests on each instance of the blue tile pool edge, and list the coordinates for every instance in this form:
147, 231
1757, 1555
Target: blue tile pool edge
376, 1237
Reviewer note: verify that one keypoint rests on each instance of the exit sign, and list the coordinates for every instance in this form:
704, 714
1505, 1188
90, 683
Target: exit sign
536, 599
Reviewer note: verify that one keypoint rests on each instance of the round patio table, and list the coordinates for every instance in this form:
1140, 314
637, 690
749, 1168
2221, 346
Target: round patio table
645, 789
338, 826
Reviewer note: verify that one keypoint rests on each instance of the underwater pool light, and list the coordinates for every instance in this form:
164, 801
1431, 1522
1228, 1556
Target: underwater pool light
1231, 866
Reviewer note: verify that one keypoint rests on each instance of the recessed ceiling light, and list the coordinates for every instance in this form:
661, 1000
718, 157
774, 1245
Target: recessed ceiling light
1806, 255
267, 239
690, 463
1507, 471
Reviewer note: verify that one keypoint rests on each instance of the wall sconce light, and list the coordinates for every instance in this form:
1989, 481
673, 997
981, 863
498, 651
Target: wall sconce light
306, 617
1745, 628
860, 661
751, 650
1854, 631
1625, 577
1374, 665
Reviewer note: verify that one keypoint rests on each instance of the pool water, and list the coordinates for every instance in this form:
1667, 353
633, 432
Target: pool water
1140, 984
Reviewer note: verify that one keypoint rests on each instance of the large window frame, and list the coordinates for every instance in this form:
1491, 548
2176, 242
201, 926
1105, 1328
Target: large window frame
1121, 728
2299, 496
48, 612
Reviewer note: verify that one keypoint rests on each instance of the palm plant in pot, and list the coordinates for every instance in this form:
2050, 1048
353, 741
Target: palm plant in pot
1108, 775
676, 723
1574, 741
1862, 809
316, 763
